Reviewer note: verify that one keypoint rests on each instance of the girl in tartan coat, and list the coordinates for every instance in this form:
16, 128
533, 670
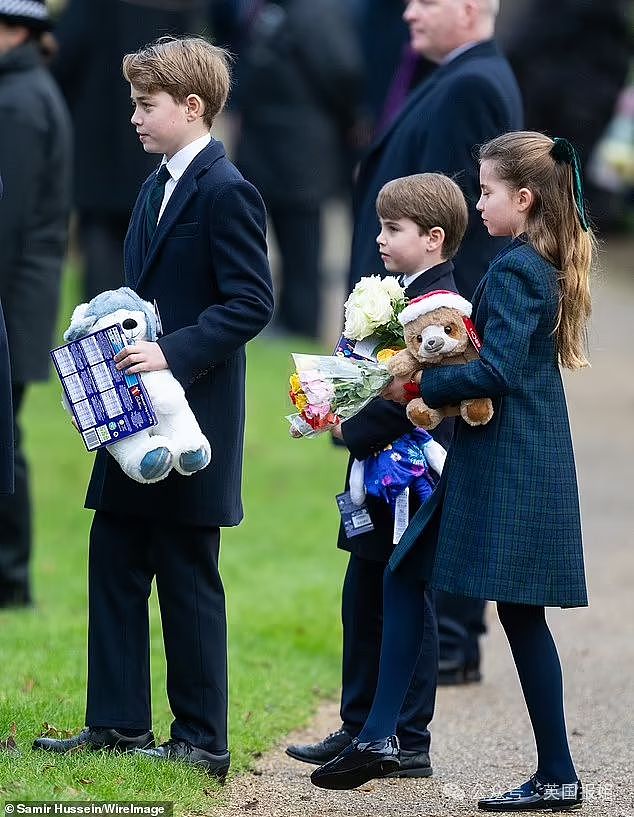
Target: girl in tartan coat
504, 522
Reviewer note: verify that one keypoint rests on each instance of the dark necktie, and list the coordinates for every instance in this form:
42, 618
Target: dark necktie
154, 200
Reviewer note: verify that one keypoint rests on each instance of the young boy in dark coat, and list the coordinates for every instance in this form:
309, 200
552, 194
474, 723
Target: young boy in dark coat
423, 218
205, 264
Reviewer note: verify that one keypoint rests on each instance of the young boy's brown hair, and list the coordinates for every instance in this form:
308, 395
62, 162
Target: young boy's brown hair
429, 200
182, 66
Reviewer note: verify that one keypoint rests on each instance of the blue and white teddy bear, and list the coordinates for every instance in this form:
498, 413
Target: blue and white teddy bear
176, 441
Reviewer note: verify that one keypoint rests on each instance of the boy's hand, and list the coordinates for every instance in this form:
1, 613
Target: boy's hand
335, 432
144, 356
395, 391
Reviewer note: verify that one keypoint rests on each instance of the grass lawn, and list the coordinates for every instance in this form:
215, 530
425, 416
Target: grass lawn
282, 575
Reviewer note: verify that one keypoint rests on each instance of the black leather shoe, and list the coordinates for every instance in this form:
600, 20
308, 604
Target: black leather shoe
183, 751
537, 796
320, 753
453, 673
95, 740
413, 764
359, 763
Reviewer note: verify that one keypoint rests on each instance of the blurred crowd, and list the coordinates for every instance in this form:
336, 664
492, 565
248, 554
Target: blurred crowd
315, 82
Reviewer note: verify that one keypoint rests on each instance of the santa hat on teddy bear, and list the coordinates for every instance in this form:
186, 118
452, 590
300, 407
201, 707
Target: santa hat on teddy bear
434, 300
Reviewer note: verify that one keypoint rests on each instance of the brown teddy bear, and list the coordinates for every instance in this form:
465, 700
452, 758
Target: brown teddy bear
438, 330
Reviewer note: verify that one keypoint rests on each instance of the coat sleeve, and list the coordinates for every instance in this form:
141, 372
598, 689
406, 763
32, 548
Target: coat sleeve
244, 302
379, 424
517, 298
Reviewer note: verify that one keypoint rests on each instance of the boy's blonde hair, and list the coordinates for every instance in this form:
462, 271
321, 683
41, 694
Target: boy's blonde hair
182, 66
429, 200
553, 227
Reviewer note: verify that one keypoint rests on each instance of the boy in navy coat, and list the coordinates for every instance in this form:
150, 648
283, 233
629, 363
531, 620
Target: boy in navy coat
423, 218
197, 246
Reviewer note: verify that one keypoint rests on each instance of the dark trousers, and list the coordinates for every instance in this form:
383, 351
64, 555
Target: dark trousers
101, 237
362, 617
15, 522
126, 552
460, 625
298, 233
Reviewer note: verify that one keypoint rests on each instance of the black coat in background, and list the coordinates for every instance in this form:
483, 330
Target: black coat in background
93, 37
6, 415
299, 81
459, 106
35, 156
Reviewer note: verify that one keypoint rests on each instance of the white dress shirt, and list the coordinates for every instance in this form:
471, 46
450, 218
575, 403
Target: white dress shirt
179, 163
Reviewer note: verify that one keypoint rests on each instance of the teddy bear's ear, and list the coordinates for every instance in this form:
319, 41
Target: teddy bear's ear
80, 323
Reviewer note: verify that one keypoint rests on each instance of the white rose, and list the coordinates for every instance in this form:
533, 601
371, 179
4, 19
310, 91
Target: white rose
393, 288
377, 307
357, 326
367, 284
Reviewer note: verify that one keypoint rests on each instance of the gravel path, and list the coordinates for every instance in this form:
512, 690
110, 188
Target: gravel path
481, 734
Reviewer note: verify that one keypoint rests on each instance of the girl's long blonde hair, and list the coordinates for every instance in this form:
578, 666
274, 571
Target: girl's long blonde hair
553, 228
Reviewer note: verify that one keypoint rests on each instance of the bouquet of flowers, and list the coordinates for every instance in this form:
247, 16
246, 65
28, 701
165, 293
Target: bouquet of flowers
326, 390
371, 313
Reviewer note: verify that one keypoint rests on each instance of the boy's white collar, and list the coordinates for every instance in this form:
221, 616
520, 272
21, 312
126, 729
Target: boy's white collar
181, 160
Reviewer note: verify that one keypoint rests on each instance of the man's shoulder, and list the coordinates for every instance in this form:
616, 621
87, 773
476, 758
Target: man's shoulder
480, 74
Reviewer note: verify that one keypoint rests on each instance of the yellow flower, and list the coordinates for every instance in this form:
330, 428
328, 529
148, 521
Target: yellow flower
295, 383
385, 354
301, 401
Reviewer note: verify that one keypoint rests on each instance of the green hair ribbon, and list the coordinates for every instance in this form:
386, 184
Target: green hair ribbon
564, 151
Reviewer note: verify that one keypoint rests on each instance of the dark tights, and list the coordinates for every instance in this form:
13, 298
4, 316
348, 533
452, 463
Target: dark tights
534, 653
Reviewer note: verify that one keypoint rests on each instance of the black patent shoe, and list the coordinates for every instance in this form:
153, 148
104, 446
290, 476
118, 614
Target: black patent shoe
320, 753
359, 763
216, 765
95, 740
537, 796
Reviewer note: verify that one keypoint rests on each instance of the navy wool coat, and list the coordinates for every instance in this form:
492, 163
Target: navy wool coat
504, 522
207, 269
381, 423
462, 104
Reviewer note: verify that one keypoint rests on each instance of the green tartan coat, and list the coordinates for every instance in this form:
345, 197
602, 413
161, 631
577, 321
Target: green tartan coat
504, 522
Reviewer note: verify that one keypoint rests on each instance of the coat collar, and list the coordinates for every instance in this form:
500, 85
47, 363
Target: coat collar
428, 280
186, 187
486, 48
512, 245
22, 58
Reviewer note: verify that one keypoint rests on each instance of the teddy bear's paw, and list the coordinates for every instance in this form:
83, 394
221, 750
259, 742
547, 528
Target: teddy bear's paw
423, 416
156, 464
476, 412
191, 461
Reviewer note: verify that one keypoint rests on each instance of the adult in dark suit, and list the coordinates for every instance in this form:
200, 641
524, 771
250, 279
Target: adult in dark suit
6, 414
469, 98
93, 37
205, 264
35, 146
